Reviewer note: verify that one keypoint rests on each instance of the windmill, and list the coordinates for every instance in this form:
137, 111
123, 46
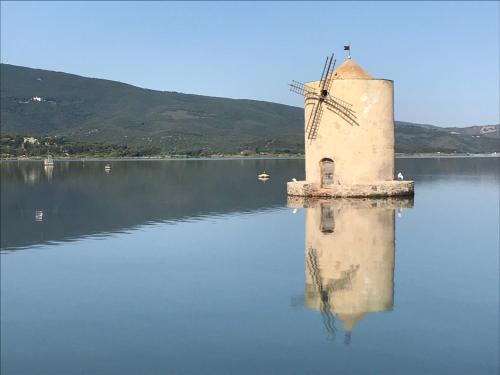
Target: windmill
322, 98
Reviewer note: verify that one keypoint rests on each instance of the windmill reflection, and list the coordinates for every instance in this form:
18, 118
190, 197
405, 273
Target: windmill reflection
349, 258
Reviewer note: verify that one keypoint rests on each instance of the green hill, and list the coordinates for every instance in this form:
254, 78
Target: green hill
40, 102
416, 138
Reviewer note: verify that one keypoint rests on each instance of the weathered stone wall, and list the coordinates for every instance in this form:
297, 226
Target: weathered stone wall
362, 152
374, 189
383, 202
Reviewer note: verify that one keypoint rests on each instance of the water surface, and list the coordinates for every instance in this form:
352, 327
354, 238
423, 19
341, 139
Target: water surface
196, 267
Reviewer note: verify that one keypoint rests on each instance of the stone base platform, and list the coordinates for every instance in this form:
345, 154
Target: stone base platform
358, 203
377, 189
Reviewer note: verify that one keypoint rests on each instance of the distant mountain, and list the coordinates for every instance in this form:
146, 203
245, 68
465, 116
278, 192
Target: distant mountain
42, 102
412, 138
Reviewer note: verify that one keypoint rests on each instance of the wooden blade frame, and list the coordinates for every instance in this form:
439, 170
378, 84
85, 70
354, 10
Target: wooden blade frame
314, 120
336, 105
342, 109
301, 89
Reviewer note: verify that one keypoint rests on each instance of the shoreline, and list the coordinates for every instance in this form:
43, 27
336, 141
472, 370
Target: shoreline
239, 157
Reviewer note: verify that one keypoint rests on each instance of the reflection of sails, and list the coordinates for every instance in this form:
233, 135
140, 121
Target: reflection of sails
349, 256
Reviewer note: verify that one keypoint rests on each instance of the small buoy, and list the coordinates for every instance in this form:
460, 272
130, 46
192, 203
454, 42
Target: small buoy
400, 176
263, 176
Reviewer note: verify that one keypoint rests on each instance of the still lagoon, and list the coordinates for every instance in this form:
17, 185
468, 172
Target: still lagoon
197, 267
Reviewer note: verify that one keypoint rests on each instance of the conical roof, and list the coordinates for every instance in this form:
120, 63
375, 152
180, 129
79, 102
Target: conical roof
350, 70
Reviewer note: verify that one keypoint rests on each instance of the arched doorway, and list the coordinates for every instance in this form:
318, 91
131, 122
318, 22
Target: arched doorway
327, 167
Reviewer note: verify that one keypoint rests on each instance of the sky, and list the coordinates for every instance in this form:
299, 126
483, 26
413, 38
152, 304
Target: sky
442, 56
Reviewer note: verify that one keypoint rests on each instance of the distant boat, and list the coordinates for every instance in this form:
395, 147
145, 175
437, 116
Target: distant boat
107, 167
263, 176
48, 162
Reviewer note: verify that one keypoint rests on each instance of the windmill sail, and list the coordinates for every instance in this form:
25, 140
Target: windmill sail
329, 77
321, 95
324, 77
301, 89
314, 120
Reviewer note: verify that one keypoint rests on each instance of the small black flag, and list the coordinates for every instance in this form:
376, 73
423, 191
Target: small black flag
347, 48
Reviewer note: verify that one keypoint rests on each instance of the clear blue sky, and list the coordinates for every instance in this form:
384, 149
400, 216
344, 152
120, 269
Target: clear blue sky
443, 57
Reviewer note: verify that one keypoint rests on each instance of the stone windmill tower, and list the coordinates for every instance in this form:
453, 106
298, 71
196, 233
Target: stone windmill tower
349, 135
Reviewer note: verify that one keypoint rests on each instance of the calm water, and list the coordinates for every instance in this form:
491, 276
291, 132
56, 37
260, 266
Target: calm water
196, 267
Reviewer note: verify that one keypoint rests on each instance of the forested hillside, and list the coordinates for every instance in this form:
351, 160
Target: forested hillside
95, 113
